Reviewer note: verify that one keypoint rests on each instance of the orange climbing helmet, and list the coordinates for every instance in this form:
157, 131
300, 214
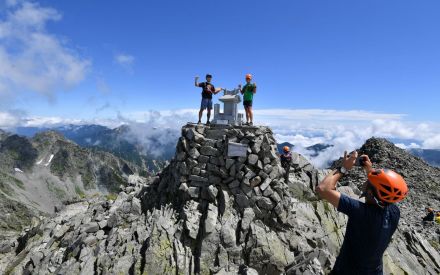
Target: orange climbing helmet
248, 76
286, 149
390, 187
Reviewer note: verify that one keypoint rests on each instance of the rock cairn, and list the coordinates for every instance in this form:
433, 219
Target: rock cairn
237, 213
203, 173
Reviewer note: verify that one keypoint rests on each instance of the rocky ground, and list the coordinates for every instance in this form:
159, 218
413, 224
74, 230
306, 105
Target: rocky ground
208, 213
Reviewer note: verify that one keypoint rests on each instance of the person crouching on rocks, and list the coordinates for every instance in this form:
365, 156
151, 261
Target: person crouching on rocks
248, 92
371, 224
286, 160
430, 216
208, 90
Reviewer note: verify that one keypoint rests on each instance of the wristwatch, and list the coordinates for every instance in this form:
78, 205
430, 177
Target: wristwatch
342, 170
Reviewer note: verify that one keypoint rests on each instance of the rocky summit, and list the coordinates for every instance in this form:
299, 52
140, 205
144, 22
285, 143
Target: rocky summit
220, 207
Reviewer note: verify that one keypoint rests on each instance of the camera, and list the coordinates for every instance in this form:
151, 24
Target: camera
360, 161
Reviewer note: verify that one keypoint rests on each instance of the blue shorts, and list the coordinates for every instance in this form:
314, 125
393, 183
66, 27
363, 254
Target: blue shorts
206, 103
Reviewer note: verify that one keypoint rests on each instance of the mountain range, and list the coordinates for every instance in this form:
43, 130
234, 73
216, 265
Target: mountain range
431, 156
119, 141
40, 173
122, 142
314, 150
218, 210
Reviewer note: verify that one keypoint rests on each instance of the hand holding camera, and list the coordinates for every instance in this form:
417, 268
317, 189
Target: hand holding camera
366, 163
361, 161
349, 160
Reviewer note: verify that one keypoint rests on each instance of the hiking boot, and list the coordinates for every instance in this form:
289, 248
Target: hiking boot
251, 124
247, 124
199, 122
208, 123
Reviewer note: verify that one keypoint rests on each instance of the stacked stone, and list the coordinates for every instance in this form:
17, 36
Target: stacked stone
202, 168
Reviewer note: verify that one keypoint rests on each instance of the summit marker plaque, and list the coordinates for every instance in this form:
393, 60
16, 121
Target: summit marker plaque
237, 149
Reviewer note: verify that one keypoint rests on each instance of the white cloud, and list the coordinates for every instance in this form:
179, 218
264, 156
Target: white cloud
8, 119
432, 142
125, 60
391, 128
32, 59
49, 121
350, 136
346, 130
155, 130
322, 114
181, 116
412, 145
13, 119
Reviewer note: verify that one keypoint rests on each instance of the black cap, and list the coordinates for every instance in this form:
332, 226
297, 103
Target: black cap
208, 75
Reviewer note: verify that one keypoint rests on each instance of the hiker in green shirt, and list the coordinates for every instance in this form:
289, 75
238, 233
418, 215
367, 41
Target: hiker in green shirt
248, 92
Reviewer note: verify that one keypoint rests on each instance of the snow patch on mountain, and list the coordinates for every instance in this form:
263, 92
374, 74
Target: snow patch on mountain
50, 159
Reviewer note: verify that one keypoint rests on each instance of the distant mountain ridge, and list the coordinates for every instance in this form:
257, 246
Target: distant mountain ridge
314, 149
43, 172
431, 156
118, 141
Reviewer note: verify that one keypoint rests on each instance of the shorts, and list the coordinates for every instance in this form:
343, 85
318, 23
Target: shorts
206, 104
247, 103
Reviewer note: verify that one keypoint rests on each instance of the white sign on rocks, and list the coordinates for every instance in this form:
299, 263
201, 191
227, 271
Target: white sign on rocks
222, 121
237, 149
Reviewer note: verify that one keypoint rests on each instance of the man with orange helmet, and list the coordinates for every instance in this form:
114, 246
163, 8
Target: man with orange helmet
371, 224
286, 160
248, 92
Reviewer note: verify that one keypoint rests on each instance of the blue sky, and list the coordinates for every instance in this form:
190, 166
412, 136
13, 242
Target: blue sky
374, 55
127, 57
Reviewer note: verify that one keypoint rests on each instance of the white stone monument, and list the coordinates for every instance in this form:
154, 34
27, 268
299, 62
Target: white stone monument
230, 115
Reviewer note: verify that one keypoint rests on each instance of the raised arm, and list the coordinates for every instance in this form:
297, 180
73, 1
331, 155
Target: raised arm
327, 188
240, 89
196, 81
